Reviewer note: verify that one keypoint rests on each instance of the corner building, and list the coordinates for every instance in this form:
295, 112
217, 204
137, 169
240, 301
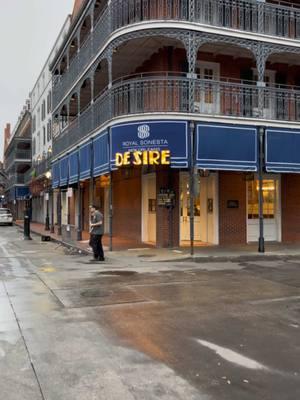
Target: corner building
212, 86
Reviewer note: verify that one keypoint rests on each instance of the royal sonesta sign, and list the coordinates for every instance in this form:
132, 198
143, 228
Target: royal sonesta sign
150, 143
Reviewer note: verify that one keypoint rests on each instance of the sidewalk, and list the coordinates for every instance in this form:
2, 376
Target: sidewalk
124, 249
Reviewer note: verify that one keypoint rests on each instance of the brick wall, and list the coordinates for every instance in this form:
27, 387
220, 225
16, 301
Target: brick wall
127, 203
290, 200
232, 221
167, 179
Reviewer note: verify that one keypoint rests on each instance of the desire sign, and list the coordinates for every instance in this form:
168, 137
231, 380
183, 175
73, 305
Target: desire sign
150, 143
151, 157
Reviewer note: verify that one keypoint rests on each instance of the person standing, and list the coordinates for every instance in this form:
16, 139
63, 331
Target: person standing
96, 233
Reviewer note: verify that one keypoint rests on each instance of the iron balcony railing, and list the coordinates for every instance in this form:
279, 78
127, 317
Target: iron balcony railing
170, 94
19, 156
280, 19
38, 169
17, 179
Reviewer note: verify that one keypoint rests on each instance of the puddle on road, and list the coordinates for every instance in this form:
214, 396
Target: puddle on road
117, 273
232, 356
95, 293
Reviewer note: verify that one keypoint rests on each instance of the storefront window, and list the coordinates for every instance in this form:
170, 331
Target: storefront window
269, 199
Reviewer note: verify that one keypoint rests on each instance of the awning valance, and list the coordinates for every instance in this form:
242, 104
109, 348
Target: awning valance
166, 135
226, 147
85, 161
55, 174
282, 148
22, 192
101, 155
73, 163
64, 171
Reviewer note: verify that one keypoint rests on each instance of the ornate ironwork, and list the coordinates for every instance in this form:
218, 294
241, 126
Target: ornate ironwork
245, 15
171, 94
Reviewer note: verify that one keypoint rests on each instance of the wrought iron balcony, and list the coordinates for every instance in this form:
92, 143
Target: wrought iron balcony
17, 156
16, 179
38, 170
278, 20
170, 94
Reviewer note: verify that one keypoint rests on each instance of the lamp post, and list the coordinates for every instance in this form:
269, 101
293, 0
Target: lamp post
192, 185
47, 220
261, 240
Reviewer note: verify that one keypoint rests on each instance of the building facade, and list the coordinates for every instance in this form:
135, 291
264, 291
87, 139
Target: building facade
17, 162
39, 178
165, 111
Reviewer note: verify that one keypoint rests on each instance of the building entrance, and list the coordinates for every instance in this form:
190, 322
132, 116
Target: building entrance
271, 209
205, 209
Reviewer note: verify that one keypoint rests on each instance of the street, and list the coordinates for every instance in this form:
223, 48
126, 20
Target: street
70, 329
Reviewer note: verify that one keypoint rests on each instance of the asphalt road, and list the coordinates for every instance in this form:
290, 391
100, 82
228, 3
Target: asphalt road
72, 330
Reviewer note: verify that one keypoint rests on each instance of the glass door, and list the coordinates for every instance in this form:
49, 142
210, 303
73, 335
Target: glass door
271, 210
207, 94
185, 209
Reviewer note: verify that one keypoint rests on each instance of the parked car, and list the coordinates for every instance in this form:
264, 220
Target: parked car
6, 217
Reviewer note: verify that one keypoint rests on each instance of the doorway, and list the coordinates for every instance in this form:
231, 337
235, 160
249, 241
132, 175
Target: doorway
149, 208
207, 95
271, 209
205, 209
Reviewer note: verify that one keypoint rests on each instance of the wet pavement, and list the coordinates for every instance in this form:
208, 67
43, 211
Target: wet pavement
70, 329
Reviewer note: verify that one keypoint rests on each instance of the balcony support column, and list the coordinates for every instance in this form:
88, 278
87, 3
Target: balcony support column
192, 47
110, 78
79, 203
262, 54
78, 104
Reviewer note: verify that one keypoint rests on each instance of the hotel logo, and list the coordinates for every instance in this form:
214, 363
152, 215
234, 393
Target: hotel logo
143, 131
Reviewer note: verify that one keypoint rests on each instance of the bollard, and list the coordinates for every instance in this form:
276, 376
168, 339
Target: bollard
26, 226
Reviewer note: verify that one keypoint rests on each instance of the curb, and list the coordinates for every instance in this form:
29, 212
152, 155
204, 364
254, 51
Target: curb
64, 244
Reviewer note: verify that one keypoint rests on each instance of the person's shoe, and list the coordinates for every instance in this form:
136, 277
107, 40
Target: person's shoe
101, 259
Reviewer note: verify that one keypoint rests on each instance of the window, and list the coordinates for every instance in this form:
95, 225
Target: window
43, 110
49, 133
44, 136
49, 102
33, 124
269, 199
38, 143
33, 147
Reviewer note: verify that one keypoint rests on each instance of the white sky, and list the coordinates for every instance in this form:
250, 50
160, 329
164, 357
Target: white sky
28, 30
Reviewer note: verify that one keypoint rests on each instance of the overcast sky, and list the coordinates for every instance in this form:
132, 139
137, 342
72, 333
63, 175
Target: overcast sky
28, 30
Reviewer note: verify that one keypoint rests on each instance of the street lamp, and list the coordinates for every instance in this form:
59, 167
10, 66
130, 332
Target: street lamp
47, 220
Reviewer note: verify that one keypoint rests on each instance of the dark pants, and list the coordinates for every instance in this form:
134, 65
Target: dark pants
96, 245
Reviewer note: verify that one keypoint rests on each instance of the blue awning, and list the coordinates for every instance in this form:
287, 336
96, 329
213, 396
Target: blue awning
64, 171
12, 193
152, 135
85, 161
282, 147
226, 147
55, 174
22, 192
73, 163
101, 155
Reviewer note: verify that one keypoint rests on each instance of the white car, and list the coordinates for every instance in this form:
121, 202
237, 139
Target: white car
6, 217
